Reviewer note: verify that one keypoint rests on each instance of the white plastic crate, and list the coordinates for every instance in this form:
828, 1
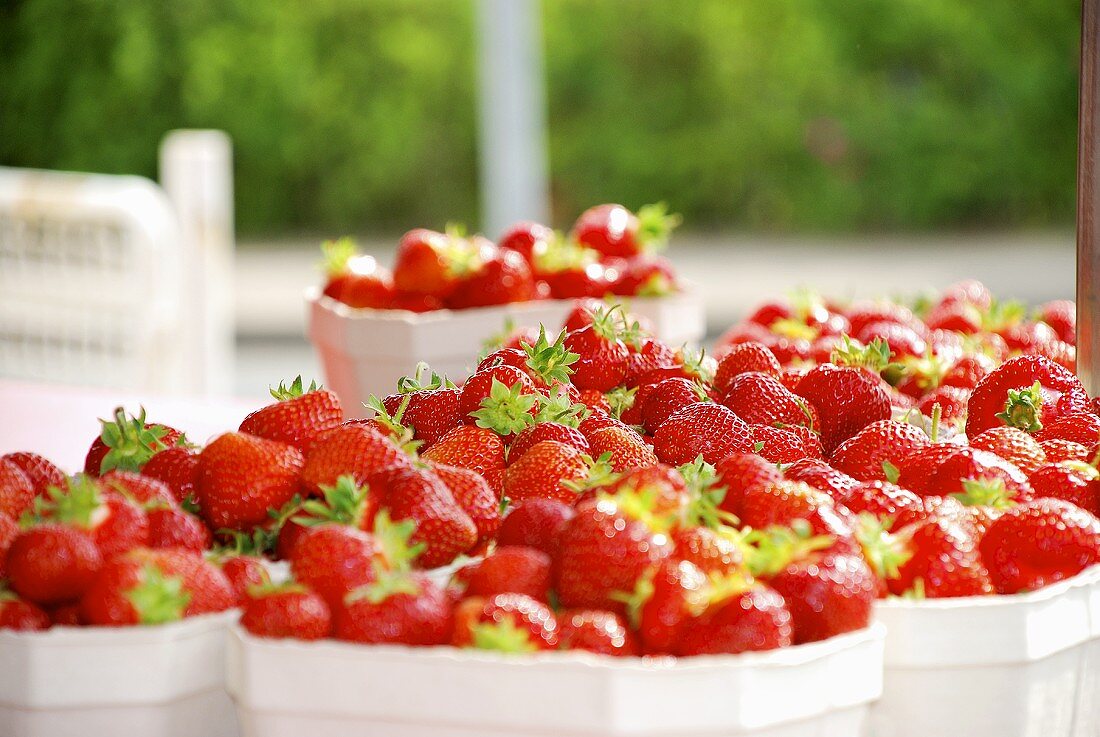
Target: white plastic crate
364, 351
287, 688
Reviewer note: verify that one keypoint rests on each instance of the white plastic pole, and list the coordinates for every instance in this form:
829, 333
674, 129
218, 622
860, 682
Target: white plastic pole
196, 172
512, 109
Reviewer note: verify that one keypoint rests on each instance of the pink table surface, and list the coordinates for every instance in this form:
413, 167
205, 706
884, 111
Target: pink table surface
60, 421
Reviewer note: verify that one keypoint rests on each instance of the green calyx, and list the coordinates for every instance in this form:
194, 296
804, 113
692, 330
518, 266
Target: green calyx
386, 584
885, 552
131, 441
563, 254
503, 636
423, 379
1023, 408
600, 474
76, 504
336, 254
635, 600
986, 492
559, 408
345, 503
639, 503
1002, 315
927, 371
705, 494
401, 434
158, 598
460, 254
621, 399
550, 361
394, 541
892, 472
776, 547
695, 364
297, 388
875, 356
792, 328
656, 285
257, 542
655, 225
507, 410
609, 323
720, 587
279, 517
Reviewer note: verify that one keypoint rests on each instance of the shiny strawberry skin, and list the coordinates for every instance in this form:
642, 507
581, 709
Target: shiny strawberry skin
478, 386
626, 448
739, 472
760, 399
241, 477
470, 447
509, 569
945, 559
757, 619
52, 564
703, 428
537, 523
291, 612
537, 433
886, 441
847, 400
915, 472
826, 597
21, 616
610, 229
542, 470
603, 360
708, 549
1014, 445
596, 631
9, 529
1058, 450
177, 468
662, 617
525, 238
298, 421
351, 449
523, 613
16, 489
1072, 481
665, 398
974, 464
787, 501
502, 279
421, 266
333, 560
430, 413
778, 445
42, 472
171, 527
880, 498
441, 524
142, 489
473, 493
1080, 427
1062, 392
968, 371
420, 619
743, 358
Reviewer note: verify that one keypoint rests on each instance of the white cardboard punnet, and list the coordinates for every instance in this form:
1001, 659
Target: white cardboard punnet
284, 686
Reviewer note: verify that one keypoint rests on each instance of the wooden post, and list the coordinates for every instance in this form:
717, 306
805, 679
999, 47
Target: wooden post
1088, 199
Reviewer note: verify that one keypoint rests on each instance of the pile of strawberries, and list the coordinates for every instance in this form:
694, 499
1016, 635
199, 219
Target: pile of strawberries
610, 250
600, 490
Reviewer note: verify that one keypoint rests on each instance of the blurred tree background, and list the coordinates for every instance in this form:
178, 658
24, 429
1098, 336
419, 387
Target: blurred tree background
822, 115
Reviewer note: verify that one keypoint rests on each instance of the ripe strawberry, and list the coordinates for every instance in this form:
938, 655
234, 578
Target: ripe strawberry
603, 356
355, 279
511, 623
19, 615
1080, 427
355, 450
847, 400
821, 476
1028, 392
138, 488
647, 355
470, 447
644, 276
606, 548
504, 277
535, 434
416, 494
128, 443
429, 263
739, 472
536, 523
299, 416
864, 455
1058, 450
542, 471
571, 273
510, 569
244, 573
754, 619
915, 472
1072, 481
287, 611
903, 341
784, 503
1036, 544
703, 428
614, 230
596, 631
666, 397
429, 413
42, 473
399, 608
712, 550
334, 559
1012, 444
241, 477
1061, 316
935, 559
663, 489
952, 402
16, 489
474, 495
826, 596
171, 527
861, 314
780, 445
879, 498
741, 359
155, 587
968, 371
665, 597
9, 528
980, 468
115, 523
177, 468
527, 239
624, 448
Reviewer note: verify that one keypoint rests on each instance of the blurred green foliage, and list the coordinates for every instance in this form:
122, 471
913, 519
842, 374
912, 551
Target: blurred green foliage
778, 115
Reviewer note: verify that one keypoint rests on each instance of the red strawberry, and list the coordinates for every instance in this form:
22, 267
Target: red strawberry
241, 477
244, 573
968, 371
915, 472
139, 488
574, 275
712, 550
594, 401
171, 527
755, 619
647, 355
287, 611
355, 450
428, 263
1012, 444
177, 468
42, 473
880, 498
430, 412
299, 417
356, 280
333, 560
596, 631
16, 489
742, 359
128, 443
603, 356
624, 448
663, 600
666, 397
1072, 481
1058, 450
703, 428
614, 230
535, 434
847, 400
52, 564
739, 472
508, 570
155, 587
664, 489
1061, 316
978, 467
1036, 544
527, 239
645, 276
421, 496
470, 447
1080, 427
399, 608
952, 402
903, 340
543, 469
115, 523
935, 559
504, 277
536, 523
864, 455
862, 314
779, 445
9, 528
474, 495
506, 622
821, 476
1028, 392
606, 548
783, 503
826, 596
19, 615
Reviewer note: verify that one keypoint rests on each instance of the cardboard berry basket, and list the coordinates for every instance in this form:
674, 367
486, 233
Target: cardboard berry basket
152, 681
1014, 666
284, 688
364, 351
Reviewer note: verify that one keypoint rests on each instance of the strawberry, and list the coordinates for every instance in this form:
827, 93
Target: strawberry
352, 278
42, 473
742, 359
19, 615
115, 523
603, 356
511, 623
474, 495
555, 431
287, 611
712, 550
476, 448
915, 472
596, 631
703, 428
572, 273
614, 230
1061, 316
526, 239
739, 472
334, 559
9, 528
847, 400
543, 470
789, 376
664, 489
623, 448
16, 489
902, 340
1012, 444
864, 455
241, 477
52, 563
177, 468
536, 523
862, 314
952, 402
65, 615
1072, 481
821, 476
756, 618
664, 598
128, 443
428, 404
508, 570
504, 277
1028, 392
879, 498
666, 397
594, 401
155, 587
417, 494
244, 572
1080, 427
502, 399
968, 371
969, 468
138, 488
779, 445
399, 608
350, 449
647, 355
1058, 450
783, 503
299, 416
936, 559
171, 527
1038, 543
606, 547
428, 263
644, 276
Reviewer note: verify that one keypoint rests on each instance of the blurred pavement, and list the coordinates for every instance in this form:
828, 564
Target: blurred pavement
734, 273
